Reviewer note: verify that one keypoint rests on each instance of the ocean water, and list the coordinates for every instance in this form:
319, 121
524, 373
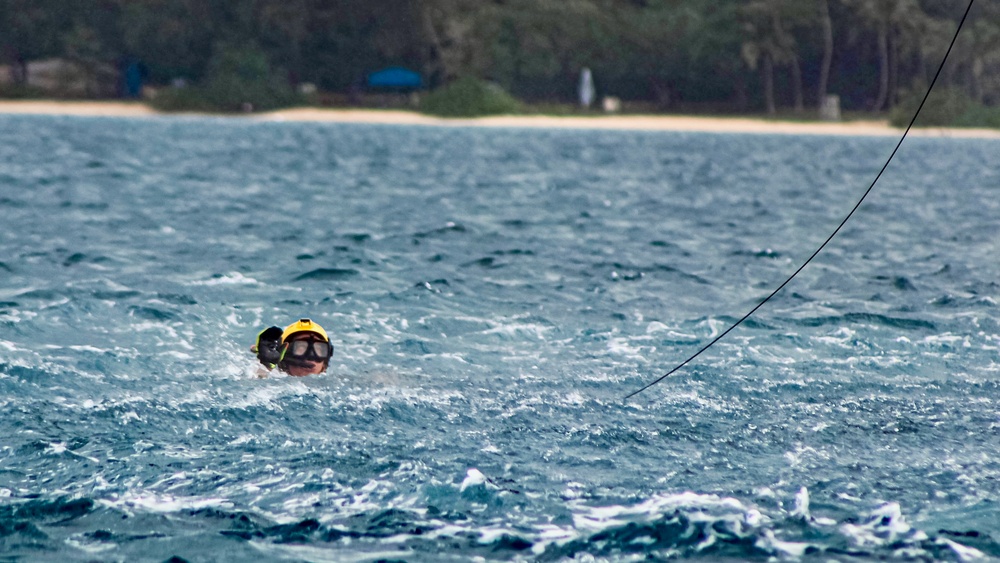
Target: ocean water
492, 295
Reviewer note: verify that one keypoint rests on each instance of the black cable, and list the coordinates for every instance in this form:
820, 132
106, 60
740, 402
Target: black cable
837, 230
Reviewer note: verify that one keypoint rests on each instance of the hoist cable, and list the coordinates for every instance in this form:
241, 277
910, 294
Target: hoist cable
829, 238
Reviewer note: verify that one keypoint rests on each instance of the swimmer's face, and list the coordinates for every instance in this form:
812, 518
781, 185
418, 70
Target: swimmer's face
308, 367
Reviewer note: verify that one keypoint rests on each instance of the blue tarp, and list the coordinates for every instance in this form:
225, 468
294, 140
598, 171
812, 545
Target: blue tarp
395, 77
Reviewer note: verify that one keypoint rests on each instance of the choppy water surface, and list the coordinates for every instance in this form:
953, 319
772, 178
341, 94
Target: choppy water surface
492, 295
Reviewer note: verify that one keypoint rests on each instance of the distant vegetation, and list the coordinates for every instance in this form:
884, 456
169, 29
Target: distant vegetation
239, 79
719, 56
469, 97
945, 107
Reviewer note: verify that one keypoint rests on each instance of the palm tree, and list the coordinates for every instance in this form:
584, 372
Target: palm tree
900, 26
826, 23
769, 42
290, 20
985, 59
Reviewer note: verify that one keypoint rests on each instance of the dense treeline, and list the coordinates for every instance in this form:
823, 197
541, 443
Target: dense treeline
717, 55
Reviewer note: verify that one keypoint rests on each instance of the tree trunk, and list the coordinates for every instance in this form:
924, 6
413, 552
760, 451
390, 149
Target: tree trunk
976, 79
448, 26
893, 89
740, 91
439, 71
298, 31
824, 69
19, 71
785, 53
883, 59
797, 85
768, 71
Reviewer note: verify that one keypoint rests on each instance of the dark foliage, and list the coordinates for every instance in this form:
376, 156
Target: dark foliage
674, 55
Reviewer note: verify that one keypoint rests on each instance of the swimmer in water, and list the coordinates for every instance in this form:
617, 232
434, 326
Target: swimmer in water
303, 348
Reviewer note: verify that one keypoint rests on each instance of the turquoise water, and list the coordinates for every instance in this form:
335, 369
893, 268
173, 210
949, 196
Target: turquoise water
492, 295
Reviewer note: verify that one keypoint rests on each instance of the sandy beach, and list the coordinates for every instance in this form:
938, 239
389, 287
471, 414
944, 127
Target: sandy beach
619, 122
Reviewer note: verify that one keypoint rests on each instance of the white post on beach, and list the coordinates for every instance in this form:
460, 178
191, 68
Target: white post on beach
829, 109
586, 88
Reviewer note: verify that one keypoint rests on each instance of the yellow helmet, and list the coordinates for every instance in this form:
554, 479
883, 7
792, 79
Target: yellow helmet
304, 325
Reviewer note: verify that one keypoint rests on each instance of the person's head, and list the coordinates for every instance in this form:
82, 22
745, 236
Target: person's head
306, 349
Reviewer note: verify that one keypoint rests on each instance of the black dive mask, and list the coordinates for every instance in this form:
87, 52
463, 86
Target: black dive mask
304, 353
316, 350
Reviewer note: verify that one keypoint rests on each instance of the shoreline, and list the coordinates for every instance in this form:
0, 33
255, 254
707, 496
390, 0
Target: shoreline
676, 123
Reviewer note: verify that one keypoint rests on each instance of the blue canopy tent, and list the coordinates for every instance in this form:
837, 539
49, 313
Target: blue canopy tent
395, 78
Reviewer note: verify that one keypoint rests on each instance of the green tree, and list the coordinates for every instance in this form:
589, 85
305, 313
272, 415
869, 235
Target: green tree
899, 27
768, 43
173, 38
826, 24
241, 77
976, 58
781, 30
32, 29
